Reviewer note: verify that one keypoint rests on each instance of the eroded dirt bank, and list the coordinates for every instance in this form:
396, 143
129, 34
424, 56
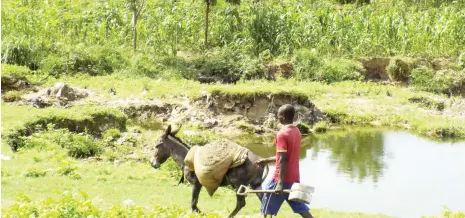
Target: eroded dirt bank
219, 113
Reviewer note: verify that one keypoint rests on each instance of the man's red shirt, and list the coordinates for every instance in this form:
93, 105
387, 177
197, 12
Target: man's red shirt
288, 140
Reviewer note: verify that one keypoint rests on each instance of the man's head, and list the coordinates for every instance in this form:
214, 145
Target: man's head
286, 114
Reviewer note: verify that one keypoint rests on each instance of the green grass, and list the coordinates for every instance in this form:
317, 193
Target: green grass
108, 184
126, 85
23, 121
102, 187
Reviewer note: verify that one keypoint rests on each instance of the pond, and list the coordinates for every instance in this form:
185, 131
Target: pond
376, 171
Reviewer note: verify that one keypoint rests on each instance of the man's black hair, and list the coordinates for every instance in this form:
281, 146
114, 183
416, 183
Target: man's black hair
288, 112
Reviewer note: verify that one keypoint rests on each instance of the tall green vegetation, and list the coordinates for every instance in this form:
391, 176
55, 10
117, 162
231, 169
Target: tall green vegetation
136, 7
45, 33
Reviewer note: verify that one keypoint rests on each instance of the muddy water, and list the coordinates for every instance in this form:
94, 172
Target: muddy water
374, 171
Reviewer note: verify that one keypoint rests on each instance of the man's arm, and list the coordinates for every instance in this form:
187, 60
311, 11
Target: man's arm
282, 170
282, 165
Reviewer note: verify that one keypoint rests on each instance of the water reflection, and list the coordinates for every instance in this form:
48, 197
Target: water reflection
359, 154
422, 176
356, 153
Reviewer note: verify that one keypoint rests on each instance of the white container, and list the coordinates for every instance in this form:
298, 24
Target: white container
302, 188
301, 193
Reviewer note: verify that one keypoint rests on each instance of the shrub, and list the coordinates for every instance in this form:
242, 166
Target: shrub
398, 70
22, 52
338, 70
321, 126
303, 128
110, 155
66, 168
422, 78
33, 172
196, 137
15, 71
219, 64
54, 65
252, 68
443, 81
76, 145
12, 96
81, 146
111, 135
87, 119
93, 60
307, 64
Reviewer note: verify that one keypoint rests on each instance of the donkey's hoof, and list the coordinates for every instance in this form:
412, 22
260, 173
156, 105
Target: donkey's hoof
196, 210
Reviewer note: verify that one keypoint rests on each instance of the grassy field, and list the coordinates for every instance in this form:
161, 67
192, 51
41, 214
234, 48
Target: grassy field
33, 176
108, 184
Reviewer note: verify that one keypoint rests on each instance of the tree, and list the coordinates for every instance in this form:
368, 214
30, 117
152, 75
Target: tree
208, 5
136, 6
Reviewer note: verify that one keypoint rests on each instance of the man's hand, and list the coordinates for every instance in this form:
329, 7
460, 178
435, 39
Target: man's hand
279, 188
262, 162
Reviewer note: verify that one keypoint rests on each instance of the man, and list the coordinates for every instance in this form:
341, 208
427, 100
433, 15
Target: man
287, 144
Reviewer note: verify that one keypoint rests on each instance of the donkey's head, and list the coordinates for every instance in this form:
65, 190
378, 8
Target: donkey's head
162, 150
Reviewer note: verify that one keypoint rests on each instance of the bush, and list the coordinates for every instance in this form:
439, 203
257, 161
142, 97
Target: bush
303, 128
93, 60
443, 81
12, 73
66, 168
22, 52
15, 71
81, 145
219, 64
54, 65
34, 173
87, 119
77, 145
321, 126
398, 70
174, 68
12, 96
338, 70
422, 78
111, 135
196, 137
111, 155
146, 65
307, 64
73, 205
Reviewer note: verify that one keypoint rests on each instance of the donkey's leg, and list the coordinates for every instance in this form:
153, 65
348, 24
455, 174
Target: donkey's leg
195, 197
240, 203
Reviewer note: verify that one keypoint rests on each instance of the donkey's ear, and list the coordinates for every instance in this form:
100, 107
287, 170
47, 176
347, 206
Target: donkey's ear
168, 131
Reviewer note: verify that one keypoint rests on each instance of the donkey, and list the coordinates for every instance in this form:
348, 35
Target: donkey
245, 174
